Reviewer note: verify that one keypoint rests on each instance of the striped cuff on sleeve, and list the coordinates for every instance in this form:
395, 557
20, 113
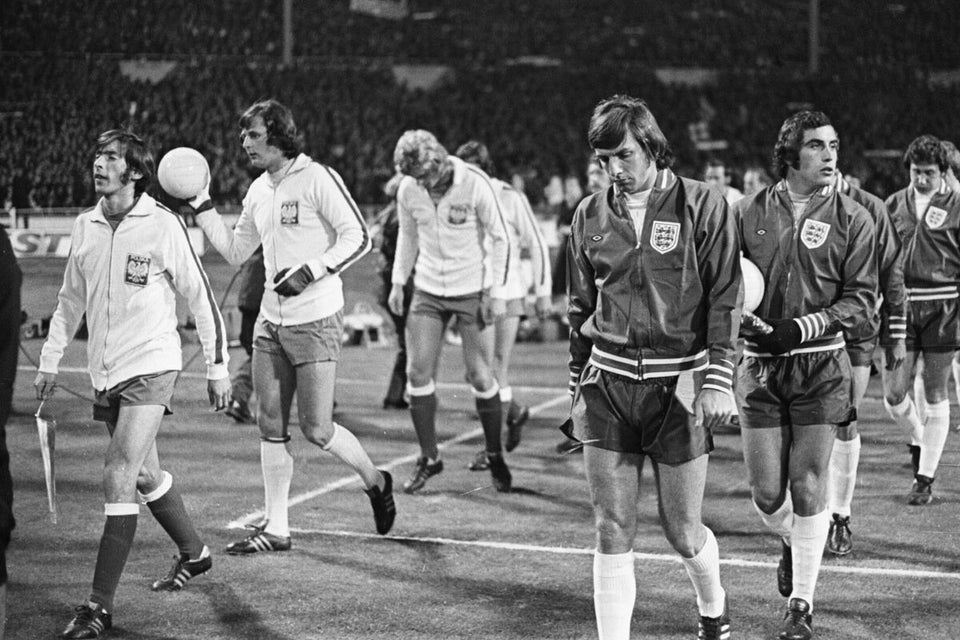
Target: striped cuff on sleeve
812, 326
898, 327
574, 379
719, 376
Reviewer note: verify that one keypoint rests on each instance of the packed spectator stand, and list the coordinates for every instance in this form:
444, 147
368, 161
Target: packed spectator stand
523, 76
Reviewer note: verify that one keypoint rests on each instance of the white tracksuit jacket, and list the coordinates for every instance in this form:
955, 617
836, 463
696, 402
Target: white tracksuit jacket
308, 217
126, 282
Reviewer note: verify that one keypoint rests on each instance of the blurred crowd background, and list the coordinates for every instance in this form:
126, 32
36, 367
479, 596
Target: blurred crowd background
520, 75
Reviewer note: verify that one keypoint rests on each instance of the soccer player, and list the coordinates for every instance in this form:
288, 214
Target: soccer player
888, 327
129, 257
524, 232
755, 178
10, 280
250, 285
452, 229
654, 280
816, 250
927, 216
388, 225
310, 229
715, 173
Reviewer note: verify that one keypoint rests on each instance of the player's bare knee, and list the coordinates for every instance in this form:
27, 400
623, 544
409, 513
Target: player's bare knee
148, 480
319, 433
767, 500
614, 530
684, 537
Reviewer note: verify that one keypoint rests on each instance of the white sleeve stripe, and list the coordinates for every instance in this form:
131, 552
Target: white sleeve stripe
365, 243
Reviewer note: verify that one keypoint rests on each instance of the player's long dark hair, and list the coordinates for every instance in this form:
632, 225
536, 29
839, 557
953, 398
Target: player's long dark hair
613, 117
282, 131
786, 153
136, 154
475, 152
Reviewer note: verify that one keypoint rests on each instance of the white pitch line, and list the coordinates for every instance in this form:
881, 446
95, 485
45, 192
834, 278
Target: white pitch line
655, 557
257, 516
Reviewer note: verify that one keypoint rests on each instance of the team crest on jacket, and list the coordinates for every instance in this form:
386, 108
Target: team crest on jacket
458, 213
935, 217
290, 212
814, 233
138, 268
664, 236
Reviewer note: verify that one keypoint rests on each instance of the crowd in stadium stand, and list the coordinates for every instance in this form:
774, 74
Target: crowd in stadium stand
62, 82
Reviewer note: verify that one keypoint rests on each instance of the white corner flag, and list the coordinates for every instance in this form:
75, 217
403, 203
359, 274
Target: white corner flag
47, 430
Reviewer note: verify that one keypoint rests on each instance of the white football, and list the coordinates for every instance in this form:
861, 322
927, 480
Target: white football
752, 285
183, 172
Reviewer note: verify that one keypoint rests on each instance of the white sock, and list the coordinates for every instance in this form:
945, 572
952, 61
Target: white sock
808, 538
614, 594
506, 394
277, 466
345, 446
906, 416
704, 572
842, 475
934, 437
781, 520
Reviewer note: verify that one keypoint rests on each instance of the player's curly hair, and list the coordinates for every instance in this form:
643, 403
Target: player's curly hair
613, 117
476, 153
415, 150
282, 131
926, 149
136, 154
786, 152
952, 155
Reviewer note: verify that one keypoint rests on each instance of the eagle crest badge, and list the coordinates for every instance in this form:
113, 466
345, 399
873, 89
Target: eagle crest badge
137, 271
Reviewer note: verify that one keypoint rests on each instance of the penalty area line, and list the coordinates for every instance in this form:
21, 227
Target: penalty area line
257, 516
653, 557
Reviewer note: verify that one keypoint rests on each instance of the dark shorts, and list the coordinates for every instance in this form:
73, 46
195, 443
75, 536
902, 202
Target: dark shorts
932, 325
802, 389
317, 341
861, 353
515, 308
620, 414
467, 309
156, 388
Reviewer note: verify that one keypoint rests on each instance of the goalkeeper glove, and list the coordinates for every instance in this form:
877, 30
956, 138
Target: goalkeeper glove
293, 280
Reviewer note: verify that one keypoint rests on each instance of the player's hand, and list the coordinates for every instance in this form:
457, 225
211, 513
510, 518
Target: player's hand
201, 201
786, 335
714, 408
498, 308
542, 306
219, 393
395, 299
45, 384
293, 280
894, 355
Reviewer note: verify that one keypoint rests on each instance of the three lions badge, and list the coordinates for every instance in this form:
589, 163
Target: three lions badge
814, 233
664, 236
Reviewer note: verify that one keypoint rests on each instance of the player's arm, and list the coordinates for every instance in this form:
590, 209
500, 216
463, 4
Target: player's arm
343, 214
893, 308
190, 280
581, 297
494, 224
718, 256
236, 245
71, 305
406, 250
532, 238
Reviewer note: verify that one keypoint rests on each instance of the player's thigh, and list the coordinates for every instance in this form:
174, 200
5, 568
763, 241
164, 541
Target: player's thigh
937, 367
809, 463
765, 456
133, 438
475, 356
274, 380
680, 487
316, 383
613, 478
424, 337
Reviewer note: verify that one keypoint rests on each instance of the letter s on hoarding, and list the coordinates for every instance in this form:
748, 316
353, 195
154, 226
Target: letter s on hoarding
37, 244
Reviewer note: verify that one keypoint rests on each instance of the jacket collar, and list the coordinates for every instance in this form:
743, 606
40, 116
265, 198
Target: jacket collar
822, 191
664, 181
144, 206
